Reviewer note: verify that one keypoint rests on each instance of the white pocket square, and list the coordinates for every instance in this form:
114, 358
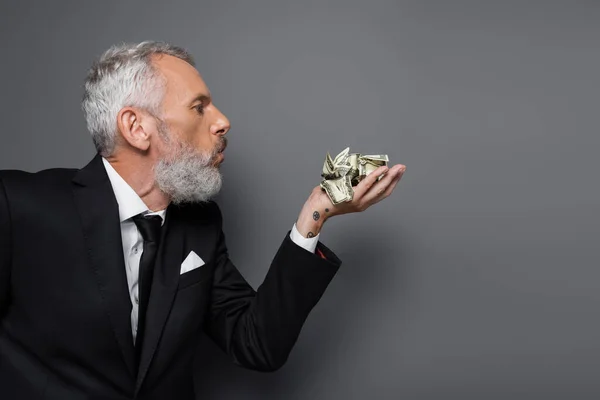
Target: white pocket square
191, 262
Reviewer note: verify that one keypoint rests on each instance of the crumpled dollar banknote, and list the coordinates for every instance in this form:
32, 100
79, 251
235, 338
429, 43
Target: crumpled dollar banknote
347, 170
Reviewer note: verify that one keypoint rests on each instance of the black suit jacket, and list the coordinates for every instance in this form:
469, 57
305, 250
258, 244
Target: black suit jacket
65, 330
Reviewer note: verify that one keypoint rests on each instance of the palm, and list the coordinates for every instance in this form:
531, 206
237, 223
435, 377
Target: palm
368, 192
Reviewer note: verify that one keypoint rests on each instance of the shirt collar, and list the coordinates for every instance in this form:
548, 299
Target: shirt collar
130, 204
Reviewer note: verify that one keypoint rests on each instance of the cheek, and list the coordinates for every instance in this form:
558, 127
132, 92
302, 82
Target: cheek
165, 148
196, 132
204, 140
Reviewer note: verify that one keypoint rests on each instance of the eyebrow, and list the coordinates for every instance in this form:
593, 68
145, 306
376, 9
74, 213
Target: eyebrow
201, 98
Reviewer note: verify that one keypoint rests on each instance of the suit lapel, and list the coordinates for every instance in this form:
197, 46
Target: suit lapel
164, 287
99, 211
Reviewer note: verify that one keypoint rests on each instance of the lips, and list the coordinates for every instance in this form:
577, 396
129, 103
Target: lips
221, 146
220, 149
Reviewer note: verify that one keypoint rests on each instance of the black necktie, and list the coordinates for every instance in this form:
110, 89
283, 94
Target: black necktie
149, 227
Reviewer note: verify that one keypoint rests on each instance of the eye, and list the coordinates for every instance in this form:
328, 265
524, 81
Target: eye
200, 109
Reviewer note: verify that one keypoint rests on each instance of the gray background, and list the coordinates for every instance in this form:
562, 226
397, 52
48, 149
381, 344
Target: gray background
478, 278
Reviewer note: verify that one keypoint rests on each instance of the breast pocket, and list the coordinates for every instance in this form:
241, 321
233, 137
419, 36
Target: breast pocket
194, 276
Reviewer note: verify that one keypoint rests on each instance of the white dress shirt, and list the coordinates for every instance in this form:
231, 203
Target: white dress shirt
130, 205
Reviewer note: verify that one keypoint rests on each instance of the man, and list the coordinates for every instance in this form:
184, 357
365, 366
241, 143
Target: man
109, 274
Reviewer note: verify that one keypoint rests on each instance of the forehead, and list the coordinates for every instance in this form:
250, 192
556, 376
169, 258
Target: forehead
183, 81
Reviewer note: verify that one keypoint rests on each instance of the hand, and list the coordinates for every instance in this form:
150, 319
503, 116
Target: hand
318, 208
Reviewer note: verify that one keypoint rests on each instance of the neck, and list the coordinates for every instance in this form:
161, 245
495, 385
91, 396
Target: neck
138, 172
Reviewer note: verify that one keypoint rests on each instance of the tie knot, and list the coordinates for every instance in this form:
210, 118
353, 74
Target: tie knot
149, 227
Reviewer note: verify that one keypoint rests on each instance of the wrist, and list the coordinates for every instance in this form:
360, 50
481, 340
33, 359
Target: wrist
311, 220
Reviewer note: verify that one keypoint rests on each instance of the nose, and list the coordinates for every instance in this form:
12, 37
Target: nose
221, 125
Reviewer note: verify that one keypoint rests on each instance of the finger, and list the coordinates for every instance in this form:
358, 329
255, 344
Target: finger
385, 193
381, 185
391, 187
366, 184
384, 187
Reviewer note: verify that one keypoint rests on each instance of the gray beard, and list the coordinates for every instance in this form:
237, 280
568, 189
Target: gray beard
187, 175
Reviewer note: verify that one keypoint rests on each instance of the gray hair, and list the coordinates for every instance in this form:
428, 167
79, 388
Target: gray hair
124, 77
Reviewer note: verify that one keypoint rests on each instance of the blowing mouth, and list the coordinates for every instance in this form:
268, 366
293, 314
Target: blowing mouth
218, 155
222, 145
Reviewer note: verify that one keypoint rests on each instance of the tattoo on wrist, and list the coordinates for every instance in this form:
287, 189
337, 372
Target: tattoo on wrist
311, 235
316, 215
327, 210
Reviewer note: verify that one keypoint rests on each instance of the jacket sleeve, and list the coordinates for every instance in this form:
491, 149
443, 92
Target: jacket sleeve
259, 328
5, 249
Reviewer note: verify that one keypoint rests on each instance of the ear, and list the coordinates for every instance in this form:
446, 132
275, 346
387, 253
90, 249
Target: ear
129, 123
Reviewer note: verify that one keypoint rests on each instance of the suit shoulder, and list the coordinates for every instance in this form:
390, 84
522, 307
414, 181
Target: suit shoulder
49, 178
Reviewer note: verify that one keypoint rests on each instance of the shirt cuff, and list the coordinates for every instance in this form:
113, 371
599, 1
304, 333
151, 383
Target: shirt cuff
309, 244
